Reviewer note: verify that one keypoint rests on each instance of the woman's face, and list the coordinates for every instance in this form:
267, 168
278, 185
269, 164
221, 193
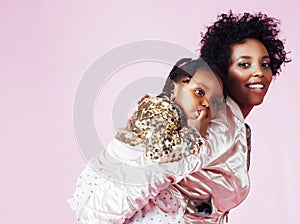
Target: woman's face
249, 74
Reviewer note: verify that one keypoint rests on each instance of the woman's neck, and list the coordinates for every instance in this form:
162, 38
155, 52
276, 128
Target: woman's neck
245, 111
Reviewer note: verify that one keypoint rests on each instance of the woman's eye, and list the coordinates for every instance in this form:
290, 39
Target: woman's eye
244, 64
200, 92
265, 64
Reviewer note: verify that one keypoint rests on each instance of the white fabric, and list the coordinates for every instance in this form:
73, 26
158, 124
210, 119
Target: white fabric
120, 182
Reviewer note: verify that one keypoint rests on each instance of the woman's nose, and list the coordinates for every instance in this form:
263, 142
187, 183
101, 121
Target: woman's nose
257, 71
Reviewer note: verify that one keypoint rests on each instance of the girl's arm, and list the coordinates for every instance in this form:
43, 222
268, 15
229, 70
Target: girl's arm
166, 151
160, 129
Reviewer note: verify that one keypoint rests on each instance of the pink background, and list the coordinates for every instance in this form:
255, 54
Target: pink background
46, 47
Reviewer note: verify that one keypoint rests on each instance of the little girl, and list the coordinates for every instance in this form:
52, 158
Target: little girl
160, 145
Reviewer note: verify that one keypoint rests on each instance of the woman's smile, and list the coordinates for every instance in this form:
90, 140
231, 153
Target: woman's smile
249, 74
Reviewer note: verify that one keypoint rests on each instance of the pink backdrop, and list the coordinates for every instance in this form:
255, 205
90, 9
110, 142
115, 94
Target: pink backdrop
47, 46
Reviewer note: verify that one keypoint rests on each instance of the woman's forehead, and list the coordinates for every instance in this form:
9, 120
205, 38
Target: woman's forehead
249, 48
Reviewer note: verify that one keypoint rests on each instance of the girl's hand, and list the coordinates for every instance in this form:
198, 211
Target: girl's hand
201, 121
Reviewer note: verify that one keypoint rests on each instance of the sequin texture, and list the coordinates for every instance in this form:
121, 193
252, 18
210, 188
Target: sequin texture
160, 127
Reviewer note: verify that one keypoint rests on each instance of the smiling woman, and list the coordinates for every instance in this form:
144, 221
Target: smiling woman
159, 169
245, 51
249, 74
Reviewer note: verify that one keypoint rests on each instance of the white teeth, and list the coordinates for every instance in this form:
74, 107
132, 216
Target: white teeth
256, 86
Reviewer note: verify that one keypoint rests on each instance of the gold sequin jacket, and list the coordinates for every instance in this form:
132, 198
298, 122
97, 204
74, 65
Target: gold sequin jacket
160, 129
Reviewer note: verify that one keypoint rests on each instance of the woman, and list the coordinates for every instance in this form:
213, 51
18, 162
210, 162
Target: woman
221, 47
244, 50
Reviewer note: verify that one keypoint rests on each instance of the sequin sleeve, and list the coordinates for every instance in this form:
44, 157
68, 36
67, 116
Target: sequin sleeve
159, 127
115, 187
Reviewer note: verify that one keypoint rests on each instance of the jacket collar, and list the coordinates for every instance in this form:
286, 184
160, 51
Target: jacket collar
235, 109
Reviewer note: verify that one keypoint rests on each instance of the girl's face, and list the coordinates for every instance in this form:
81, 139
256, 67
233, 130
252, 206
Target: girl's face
249, 74
199, 96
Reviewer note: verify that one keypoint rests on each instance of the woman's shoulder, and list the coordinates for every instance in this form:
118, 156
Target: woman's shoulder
235, 109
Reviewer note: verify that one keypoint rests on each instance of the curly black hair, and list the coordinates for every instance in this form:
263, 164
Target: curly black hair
230, 29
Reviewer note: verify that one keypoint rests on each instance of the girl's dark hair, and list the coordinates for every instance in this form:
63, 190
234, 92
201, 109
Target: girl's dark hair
230, 29
185, 67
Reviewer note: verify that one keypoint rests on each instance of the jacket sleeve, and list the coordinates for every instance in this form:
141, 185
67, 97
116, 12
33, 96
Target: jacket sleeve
159, 127
147, 156
122, 188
